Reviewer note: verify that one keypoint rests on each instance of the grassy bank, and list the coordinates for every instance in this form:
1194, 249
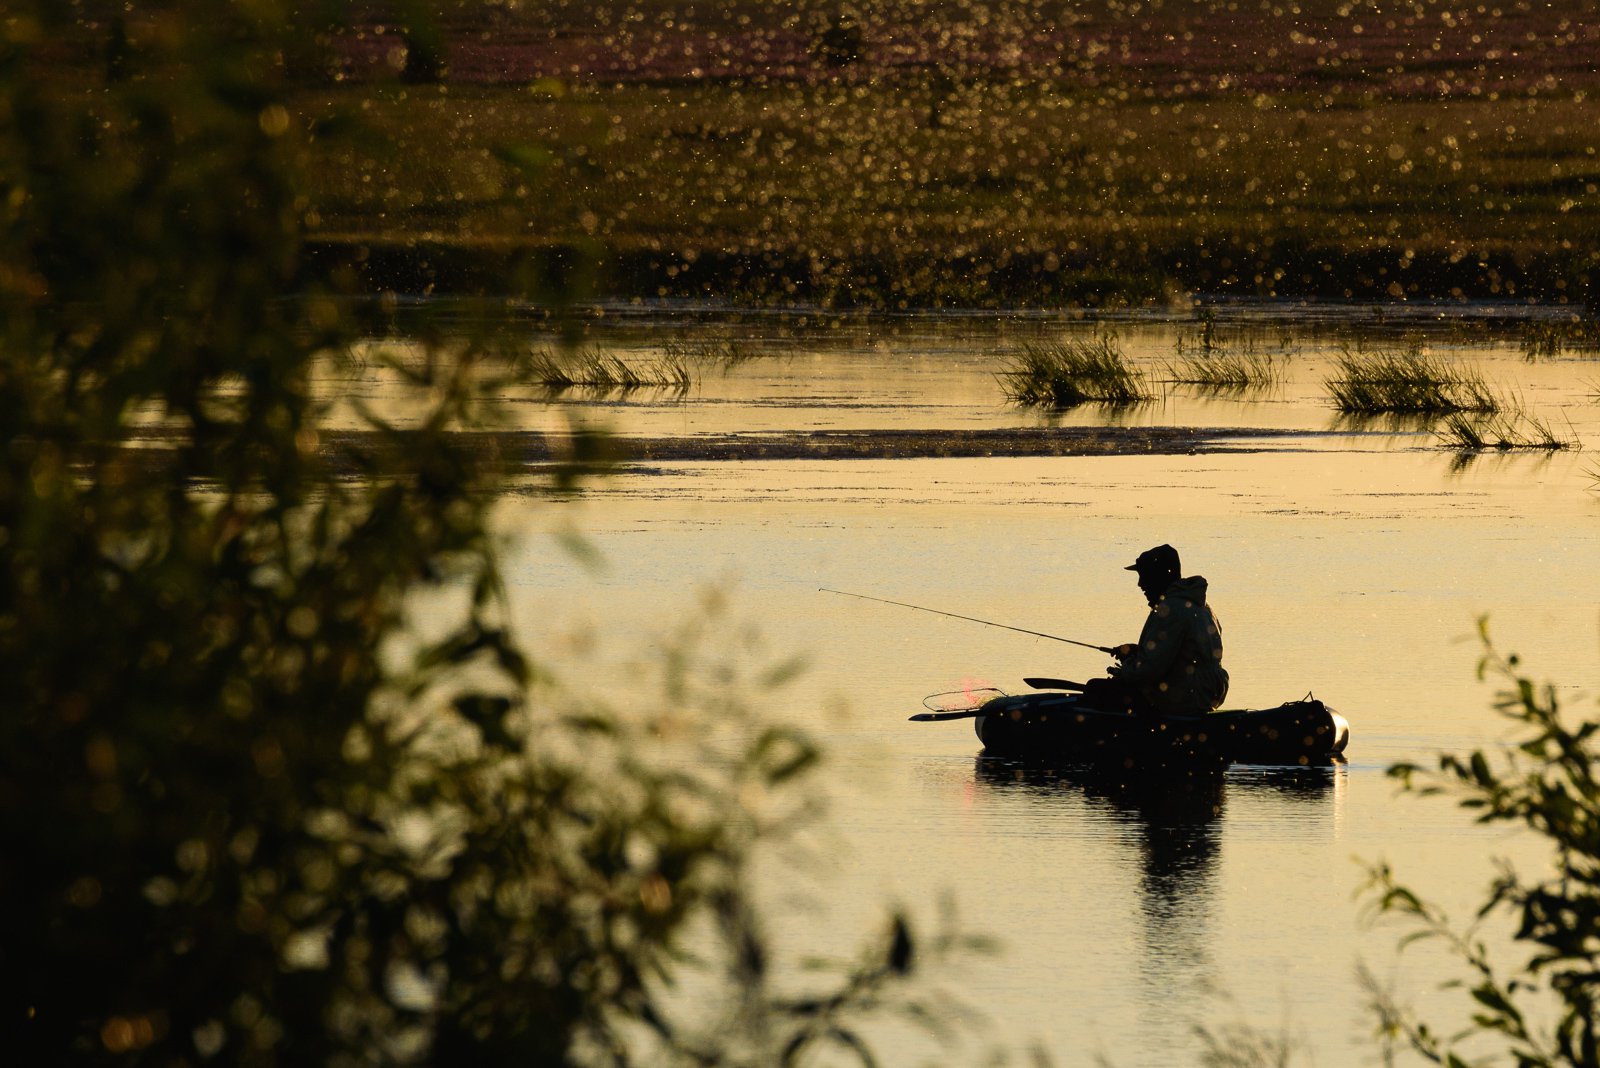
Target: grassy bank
1020, 194
1004, 154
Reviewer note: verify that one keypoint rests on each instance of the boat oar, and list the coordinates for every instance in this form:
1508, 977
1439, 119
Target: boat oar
934, 717
1054, 684
972, 619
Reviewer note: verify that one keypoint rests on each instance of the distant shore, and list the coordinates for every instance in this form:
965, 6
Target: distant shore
510, 452
1051, 154
1082, 153
971, 280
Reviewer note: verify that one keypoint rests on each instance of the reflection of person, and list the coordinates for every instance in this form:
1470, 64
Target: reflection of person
1176, 667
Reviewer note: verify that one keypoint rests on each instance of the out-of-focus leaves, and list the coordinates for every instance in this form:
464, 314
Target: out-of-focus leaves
530, 159
783, 673
581, 549
257, 805
1544, 780
780, 754
901, 948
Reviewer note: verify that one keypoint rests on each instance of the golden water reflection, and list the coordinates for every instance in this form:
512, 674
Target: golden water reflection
1171, 844
1352, 566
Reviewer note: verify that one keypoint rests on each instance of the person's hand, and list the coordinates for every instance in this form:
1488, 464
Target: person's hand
1122, 652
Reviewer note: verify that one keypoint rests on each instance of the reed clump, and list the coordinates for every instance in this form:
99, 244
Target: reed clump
1064, 374
1409, 383
599, 370
1501, 432
1550, 339
1225, 371
722, 353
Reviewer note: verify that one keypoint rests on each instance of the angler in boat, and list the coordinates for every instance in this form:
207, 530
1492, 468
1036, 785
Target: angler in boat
1156, 711
1180, 669
1175, 669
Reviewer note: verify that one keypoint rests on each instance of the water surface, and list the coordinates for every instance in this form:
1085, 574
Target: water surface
1351, 563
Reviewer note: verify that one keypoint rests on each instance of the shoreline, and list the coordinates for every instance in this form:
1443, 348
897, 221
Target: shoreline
511, 452
508, 451
934, 281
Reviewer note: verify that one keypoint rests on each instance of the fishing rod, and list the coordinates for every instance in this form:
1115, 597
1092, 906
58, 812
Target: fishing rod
971, 619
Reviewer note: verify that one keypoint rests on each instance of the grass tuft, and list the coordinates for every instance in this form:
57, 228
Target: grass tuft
1407, 383
1550, 339
1500, 432
1065, 374
725, 353
599, 370
1220, 371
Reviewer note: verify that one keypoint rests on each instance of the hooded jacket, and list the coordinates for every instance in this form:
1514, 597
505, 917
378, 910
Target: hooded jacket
1178, 665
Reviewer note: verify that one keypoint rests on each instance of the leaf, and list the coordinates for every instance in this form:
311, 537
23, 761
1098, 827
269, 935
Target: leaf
781, 753
1491, 998
851, 1041
581, 549
783, 673
488, 714
901, 947
591, 724
528, 158
792, 1048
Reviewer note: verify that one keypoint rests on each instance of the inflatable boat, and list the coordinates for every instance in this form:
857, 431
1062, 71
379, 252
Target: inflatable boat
1062, 728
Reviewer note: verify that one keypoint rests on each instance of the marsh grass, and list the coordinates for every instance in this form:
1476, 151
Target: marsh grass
1003, 143
723, 353
599, 370
1548, 340
1222, 371
1064, 374
1407, 382
1501, 432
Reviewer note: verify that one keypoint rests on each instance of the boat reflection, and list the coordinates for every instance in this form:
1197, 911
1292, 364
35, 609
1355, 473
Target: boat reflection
1175, 831
1316, 782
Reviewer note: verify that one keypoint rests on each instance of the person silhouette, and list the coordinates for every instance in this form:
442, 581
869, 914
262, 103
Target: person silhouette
1175, 668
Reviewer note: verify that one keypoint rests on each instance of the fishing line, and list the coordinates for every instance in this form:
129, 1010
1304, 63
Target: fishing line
971, 619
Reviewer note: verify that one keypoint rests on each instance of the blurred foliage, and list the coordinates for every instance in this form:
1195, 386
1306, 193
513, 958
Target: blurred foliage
1542, 1012
254, 812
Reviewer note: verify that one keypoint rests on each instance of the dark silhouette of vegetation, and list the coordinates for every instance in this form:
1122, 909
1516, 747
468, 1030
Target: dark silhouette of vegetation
1543, 339
1542, 1013
1073, 372
254, 812
1219, 371
425, 59
1409, 383
1208, 329
1502, 433
596, 369
842, 42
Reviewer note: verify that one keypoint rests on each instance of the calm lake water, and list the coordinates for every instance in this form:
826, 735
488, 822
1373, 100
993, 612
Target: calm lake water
1350, 562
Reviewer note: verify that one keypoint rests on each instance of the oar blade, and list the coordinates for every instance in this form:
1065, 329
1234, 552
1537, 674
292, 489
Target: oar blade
938, 717
1054, 684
